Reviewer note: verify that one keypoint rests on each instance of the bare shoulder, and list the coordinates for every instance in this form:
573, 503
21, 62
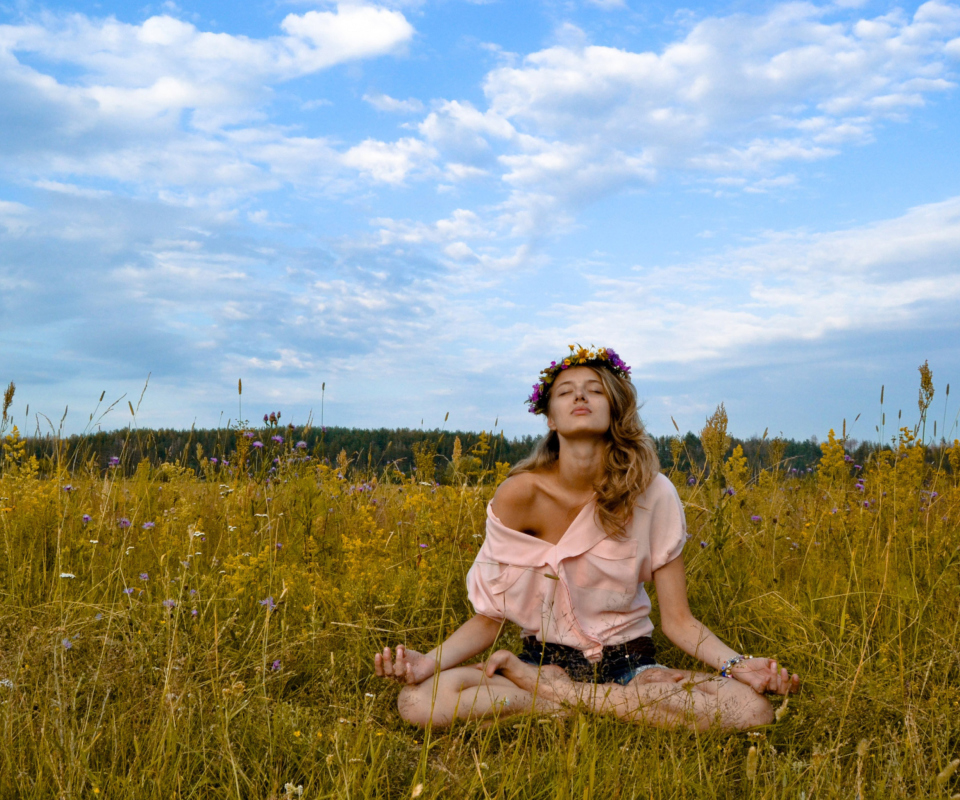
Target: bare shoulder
514, 498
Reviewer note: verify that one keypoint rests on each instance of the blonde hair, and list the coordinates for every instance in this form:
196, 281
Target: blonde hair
629, 457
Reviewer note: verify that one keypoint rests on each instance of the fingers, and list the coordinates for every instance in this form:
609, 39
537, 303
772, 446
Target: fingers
387, 659
385, 666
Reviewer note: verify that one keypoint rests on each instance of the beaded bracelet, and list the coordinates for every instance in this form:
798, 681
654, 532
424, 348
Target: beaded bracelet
729, 664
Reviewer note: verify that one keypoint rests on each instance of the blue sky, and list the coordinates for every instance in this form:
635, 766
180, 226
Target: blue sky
420, 203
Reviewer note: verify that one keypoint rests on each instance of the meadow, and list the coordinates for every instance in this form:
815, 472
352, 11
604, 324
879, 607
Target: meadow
171, 632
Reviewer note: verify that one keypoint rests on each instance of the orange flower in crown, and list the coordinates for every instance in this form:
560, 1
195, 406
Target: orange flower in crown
579, 356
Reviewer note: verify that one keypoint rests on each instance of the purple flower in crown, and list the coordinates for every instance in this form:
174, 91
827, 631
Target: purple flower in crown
277, 439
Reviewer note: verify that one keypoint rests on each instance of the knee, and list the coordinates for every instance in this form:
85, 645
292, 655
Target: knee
755, 710
416, 707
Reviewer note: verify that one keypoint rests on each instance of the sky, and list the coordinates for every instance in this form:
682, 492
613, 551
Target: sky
386, 213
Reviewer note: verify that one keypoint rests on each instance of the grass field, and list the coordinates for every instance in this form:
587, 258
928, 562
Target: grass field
166, 633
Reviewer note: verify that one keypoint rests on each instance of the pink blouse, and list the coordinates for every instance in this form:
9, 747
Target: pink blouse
586, 591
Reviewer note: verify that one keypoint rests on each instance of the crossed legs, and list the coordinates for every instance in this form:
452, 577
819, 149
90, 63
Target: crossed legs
663, 698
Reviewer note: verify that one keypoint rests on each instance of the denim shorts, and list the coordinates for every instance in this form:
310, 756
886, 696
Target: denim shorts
619, 663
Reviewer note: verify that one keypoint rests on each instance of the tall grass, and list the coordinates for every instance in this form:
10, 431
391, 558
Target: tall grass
210, 634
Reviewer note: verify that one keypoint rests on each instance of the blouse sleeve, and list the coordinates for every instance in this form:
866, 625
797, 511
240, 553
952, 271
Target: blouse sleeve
479, 593
668, 528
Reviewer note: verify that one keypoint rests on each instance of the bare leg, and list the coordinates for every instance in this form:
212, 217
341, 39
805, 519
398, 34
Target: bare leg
467, 693
673, 698
665, 698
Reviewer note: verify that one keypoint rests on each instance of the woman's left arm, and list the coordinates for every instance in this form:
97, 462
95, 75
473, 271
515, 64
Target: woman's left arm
693, 637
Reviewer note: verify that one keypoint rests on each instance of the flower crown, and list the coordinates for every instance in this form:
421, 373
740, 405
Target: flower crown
579, 357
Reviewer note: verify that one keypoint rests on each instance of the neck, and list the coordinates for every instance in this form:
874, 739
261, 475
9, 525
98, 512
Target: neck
580, 465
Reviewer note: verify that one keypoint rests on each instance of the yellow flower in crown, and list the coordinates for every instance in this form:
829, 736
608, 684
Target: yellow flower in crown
604, 357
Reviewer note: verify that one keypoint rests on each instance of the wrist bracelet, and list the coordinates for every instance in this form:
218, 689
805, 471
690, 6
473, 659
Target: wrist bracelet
729, 664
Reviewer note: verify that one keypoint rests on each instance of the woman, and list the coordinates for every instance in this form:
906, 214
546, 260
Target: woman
572, 534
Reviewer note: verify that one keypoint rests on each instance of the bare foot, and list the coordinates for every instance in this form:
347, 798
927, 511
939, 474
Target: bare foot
550, 682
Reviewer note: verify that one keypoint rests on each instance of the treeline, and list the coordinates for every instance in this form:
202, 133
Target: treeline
373, 451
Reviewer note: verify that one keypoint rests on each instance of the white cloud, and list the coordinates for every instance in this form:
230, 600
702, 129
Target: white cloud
383, 102
899, 273
389, 162
14, 217
161, 104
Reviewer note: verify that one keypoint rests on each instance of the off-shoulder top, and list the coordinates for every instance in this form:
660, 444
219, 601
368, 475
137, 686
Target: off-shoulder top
586, 591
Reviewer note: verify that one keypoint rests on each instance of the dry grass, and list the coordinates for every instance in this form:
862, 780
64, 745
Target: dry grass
227, 650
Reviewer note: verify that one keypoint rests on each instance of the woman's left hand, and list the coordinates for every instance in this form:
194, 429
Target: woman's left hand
764, 675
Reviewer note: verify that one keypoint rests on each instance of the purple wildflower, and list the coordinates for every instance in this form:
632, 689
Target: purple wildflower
424, 546
124, 522
193, 592
275, 665
268, 602
702, 545
194, 613
249, 435
214, 461
279, 545
86, 518
68, 488
67, 644
277, 439
756, 518
691, 481
148, 525
258, 444
168, 603
128, 590
266, 418
730, 491
114, 461
301, 445
144, 576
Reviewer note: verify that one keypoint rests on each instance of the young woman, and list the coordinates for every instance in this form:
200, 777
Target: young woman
572, 535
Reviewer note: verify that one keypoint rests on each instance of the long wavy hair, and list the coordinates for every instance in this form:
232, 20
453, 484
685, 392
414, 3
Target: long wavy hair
629, 457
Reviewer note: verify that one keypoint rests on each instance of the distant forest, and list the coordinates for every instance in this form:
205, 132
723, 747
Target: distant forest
370, 452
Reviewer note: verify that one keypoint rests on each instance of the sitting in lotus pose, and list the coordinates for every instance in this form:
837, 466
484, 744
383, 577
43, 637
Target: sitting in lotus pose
572, 535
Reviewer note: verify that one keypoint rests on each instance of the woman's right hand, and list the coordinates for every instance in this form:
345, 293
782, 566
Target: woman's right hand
408, 667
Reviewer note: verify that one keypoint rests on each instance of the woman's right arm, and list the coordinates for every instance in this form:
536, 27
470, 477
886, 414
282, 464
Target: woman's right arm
410, 667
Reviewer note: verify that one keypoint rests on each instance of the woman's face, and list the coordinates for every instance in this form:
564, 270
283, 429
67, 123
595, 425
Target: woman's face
578, 404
